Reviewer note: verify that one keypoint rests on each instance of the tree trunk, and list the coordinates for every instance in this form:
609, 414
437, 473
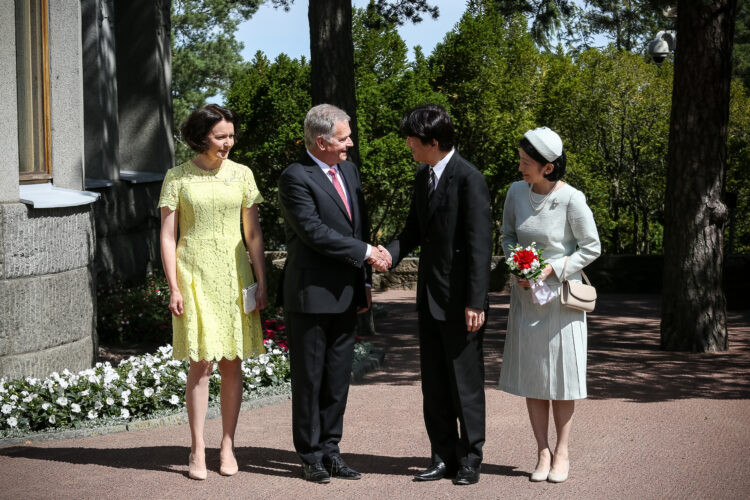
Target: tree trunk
332, 60
332, 74
693, 316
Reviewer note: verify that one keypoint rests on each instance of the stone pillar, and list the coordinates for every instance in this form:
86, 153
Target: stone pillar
66, 93
8, 100
100, 88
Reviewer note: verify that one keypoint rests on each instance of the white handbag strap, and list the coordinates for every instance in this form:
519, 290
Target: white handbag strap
565, 266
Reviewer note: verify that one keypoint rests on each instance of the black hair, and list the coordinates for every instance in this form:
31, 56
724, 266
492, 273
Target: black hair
427, 123
196, 127
559, 164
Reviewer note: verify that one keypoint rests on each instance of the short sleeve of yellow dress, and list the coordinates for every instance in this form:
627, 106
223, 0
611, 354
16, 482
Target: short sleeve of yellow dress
212, 266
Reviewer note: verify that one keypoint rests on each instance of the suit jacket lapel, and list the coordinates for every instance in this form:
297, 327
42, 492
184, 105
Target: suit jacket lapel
351, 188
445, 179
317, 175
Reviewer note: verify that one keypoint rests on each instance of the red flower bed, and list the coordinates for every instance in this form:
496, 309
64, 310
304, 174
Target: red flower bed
274, 329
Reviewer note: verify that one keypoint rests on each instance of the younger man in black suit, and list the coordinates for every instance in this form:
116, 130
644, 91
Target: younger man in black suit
450, 219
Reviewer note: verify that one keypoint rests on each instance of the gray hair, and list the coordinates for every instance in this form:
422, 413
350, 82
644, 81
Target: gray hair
321, 121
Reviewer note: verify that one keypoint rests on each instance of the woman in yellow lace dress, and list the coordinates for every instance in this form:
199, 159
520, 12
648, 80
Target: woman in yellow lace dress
203, 201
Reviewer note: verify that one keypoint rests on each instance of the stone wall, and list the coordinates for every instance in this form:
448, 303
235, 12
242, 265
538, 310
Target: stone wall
609, 274
46, 288
127, 232
404, 276
736, 270
643, 274
47, 300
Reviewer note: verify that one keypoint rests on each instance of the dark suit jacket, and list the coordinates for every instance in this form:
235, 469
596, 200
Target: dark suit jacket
324, 270
455, 232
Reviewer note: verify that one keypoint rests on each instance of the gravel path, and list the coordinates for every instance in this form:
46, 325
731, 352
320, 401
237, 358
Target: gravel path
656, 425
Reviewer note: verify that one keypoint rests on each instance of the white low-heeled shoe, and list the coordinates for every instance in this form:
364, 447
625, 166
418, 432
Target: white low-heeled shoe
539, 476
557, 478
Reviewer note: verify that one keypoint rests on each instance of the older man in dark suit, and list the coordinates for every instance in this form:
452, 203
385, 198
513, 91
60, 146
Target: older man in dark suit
325, 283
450, 219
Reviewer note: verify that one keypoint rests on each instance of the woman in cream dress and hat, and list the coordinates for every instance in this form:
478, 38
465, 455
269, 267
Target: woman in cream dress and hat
545, 349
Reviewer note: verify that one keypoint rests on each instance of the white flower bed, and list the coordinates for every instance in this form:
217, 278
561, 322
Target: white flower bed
139, 387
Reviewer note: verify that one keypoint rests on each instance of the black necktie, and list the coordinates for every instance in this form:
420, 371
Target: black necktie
431, 183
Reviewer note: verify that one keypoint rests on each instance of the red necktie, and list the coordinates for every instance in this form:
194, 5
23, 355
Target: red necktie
339, 190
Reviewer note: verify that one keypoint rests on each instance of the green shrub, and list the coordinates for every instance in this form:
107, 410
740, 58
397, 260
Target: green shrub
137, 314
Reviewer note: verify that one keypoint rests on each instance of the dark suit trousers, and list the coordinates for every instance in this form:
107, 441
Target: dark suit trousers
321, 349
452, 364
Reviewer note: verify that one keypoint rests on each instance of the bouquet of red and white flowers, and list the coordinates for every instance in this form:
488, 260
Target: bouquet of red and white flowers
528, 263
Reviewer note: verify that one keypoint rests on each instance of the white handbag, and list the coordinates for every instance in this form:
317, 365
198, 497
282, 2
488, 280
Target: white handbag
248, 297
577, 295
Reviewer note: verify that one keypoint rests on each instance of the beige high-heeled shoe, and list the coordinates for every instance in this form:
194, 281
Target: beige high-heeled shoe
195, 472
229, 469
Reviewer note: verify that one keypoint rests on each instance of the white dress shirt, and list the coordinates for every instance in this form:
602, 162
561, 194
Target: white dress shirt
439, 167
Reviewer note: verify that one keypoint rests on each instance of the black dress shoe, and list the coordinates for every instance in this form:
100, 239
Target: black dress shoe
438, 470
467, 475
336, 467
315, 473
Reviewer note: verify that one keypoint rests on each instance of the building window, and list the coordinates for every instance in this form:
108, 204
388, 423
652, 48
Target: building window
32, 66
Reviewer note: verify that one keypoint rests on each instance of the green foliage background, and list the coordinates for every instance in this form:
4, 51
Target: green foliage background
205, 54
611, 107
271, 99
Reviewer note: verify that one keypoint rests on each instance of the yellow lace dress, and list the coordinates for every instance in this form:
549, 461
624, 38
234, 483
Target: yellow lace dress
212, 266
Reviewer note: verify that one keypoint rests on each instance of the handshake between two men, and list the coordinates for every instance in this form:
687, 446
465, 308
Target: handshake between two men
323, 187
380, 258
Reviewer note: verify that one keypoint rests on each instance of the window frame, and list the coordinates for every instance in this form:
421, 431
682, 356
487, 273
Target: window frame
37, 46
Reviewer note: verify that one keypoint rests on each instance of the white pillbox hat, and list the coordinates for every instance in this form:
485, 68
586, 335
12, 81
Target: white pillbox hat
546, 141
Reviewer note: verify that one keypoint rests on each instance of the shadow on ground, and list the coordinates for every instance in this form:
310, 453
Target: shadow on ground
259, 460
156, 458
624, 357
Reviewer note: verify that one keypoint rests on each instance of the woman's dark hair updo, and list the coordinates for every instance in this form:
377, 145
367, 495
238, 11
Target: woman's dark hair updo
559, 164
196, 127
